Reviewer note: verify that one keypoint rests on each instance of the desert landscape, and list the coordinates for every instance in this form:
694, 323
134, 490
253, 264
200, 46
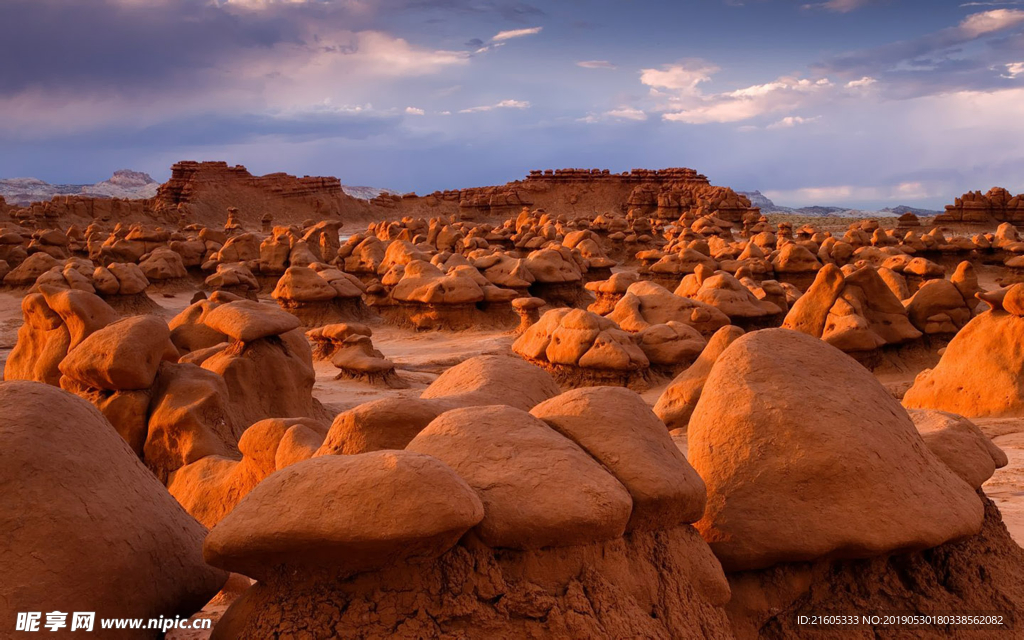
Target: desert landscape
499, 319
484, 413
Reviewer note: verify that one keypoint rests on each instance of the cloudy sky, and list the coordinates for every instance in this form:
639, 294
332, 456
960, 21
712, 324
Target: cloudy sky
851, 102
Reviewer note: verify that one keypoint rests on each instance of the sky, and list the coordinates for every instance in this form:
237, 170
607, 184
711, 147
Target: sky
860, 103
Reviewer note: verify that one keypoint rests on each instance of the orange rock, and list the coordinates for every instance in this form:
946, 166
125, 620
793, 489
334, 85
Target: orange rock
538, 488
796, 472
89, 526
350, 513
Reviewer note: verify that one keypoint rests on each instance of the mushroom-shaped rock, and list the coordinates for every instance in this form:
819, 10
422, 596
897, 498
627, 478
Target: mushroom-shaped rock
671, 345
528, 310
356, 358
646, 303
302, 284
796, 472
610, 291
327, 340
163, 264
492, 380
538, 488
321, 297
234, 277
619, 430
960, 444
88, 527
346, 515
388, 423
727, 294
676, 403
247, 320
939, 307
978, 375
582, 348
123, 355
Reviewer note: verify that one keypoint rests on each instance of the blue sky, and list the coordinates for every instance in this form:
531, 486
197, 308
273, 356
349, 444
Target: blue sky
853, 102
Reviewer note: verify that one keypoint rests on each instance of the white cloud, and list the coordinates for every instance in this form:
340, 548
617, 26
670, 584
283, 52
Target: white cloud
595, 64
1014, 69
863, 82
681, 78
791, 121
504, 104
786, 93
414, 111
986, 22
627, 113
516, 33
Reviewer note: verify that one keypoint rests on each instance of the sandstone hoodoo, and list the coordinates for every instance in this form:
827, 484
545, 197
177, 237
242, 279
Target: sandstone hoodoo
581, 348
853, 310
88, 527
318, 297
978, 375
772, 388
350, 349
516, 553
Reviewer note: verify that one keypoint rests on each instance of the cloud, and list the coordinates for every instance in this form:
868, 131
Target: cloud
689, 105
595, 64
680, 78
866, 81
627, 113
137, 62
929, 52
414, 111
839, 6
504, 104
516, 33
791, 121
1014, 69
979, 24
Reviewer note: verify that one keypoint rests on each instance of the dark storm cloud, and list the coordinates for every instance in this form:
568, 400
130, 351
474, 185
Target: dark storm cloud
53, 43
131, 44
221, 130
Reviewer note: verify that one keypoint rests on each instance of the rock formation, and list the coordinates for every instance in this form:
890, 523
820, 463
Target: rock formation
87, 526
865, 483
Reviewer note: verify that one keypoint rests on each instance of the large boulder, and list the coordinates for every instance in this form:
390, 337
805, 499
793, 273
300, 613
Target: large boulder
617, 428
980, 373
86, 526
805, 456
492, 380
676, 403
124, 355
960, 444
350, 514
539, 489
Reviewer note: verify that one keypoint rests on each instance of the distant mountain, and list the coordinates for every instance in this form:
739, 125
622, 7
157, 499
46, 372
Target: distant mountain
762, 201
366, 193
921, 213
123, 184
